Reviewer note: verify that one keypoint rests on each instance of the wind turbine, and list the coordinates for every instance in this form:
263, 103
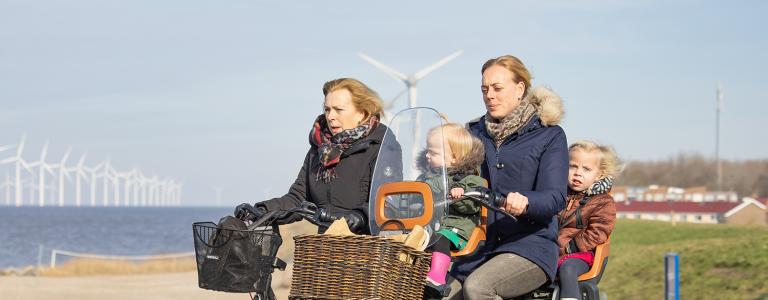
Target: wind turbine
79, 176
19, 163
177, 192
42, 168
112, 176
94, 175
413, 80
128, 186
410, 83
143, 188
63, 172
105, 181
7, 184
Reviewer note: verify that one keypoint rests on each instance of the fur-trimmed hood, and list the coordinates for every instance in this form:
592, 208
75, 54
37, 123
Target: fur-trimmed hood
549, 106
468, 165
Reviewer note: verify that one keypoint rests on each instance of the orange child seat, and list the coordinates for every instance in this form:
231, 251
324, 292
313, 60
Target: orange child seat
421, 189
598, 265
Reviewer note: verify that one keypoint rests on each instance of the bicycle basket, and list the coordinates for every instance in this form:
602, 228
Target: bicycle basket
356, 267
234, 260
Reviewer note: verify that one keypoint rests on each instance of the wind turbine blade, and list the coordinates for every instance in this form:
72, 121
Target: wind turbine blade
424, 72
25, 165
386, 69
81, 161
21, 145
47, 168
3, 148
45, 151
66, 156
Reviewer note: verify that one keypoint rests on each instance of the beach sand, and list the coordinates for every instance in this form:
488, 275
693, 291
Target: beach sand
119, 287
158, 286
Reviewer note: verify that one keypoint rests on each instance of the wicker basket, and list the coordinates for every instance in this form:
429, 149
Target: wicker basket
356, 267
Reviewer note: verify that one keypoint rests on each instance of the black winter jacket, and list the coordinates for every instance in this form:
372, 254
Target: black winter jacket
348, 191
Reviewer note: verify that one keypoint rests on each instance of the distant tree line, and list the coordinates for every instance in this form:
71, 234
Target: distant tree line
746, 177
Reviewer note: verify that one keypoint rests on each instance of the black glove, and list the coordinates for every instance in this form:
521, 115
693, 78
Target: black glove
248, 212
355, 220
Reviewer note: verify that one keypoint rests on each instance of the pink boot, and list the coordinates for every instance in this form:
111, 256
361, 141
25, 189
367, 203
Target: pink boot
439, 268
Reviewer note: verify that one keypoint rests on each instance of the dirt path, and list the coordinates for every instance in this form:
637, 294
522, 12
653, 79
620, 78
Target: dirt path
163, 286
138, 287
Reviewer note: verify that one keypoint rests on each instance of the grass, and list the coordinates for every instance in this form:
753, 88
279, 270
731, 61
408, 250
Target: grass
716, 261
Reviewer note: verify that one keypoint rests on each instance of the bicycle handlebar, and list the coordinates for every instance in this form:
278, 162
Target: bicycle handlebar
307, 211
491, 201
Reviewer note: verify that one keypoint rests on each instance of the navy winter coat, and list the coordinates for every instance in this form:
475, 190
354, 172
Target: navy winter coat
533, 162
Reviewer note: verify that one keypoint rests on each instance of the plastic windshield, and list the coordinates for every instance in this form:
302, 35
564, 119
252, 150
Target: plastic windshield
402, 161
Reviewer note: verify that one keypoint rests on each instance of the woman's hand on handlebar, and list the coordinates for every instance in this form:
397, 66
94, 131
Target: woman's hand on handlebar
516, 203
248, 212
355, 220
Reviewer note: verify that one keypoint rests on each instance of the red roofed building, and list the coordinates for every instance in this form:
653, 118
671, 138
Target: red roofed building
747, 212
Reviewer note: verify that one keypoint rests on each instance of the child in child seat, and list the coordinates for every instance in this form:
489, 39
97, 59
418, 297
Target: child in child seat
461, 154
589, 214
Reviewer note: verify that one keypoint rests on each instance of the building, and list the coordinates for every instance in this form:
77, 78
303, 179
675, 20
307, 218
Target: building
660, 193
747, 212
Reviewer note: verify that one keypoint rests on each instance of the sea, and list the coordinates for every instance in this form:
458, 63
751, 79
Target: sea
29, 234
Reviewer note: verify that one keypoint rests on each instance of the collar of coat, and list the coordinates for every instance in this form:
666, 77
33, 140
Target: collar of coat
549, 112
375, 137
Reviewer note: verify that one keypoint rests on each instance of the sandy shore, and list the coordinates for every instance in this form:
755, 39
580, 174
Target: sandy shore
144, 287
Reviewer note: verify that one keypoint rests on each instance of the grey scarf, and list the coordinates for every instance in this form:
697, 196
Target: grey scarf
499, 130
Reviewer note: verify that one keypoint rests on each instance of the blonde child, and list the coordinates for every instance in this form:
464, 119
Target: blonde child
589, 214
451, 146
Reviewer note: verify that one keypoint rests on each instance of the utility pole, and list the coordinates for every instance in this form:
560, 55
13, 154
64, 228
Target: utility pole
719, 95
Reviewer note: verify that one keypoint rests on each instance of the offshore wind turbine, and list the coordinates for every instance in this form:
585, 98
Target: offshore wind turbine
128, 186
42, 168
94, 175
105, 181
7, 184
79, 176
412, 80
63, 172
19, 163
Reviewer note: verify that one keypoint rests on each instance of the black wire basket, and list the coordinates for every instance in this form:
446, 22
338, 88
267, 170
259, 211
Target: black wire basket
234, 260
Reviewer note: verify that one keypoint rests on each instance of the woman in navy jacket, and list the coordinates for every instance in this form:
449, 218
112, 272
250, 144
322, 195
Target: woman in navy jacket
526, 158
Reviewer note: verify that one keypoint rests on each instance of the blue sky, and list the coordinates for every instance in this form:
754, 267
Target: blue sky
223, 93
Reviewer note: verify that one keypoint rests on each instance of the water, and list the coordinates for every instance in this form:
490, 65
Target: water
98, 230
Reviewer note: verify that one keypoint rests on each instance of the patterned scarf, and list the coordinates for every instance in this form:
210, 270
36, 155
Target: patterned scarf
601, 186
499, 130
331, 146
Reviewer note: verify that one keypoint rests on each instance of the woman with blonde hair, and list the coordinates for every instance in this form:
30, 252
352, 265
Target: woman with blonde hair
526, 159
344, 143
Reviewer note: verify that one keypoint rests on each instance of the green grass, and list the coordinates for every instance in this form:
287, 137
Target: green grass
716, 261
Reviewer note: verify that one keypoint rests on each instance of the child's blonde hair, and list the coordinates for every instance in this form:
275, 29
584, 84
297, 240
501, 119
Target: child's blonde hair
458, 138
610, 163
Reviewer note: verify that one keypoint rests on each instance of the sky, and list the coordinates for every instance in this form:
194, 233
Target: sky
223, 93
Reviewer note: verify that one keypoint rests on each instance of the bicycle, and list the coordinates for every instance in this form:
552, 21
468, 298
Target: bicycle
242, 260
